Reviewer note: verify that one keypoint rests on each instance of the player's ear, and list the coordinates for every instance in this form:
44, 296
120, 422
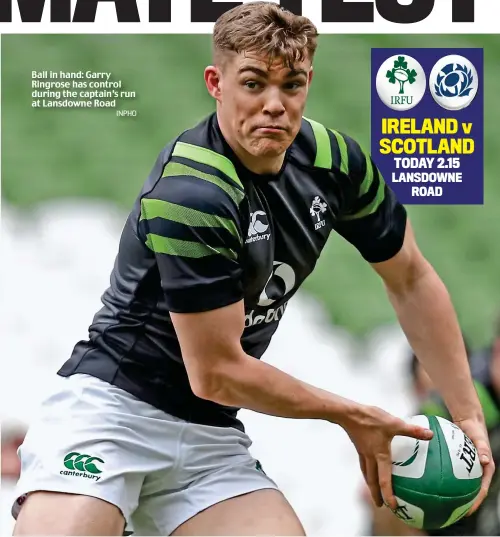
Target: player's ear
212, 81
310, 75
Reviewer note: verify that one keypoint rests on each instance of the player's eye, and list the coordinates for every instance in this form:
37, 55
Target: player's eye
251, 84
293, 85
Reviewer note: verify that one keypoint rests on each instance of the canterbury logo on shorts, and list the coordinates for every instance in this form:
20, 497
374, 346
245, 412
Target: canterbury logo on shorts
82, 465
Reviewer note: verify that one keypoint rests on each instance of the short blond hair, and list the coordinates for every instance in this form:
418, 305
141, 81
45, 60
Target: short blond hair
268, 29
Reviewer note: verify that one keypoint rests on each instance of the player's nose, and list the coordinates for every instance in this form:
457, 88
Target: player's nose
273, 103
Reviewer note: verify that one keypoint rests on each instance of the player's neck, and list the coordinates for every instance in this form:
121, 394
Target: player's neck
257, 165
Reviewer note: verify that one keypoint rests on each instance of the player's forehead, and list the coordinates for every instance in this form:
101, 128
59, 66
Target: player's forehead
267, 67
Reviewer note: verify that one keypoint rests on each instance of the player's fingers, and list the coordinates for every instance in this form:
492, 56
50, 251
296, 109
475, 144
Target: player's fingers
488, 465
482, 448
372, 480
415, 431
488, 471
362, 465
479, 500
384, 467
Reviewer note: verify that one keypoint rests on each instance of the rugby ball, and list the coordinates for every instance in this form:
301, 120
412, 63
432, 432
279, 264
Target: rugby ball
434, 481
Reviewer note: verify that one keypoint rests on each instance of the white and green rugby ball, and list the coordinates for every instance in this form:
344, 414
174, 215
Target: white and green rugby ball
436, 481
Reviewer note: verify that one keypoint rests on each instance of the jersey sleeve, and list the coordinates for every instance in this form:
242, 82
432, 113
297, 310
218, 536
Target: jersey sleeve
190, 223
371, 219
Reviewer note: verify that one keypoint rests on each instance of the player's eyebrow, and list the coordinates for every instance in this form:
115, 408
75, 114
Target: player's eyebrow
256, 70
297, 72
265, 74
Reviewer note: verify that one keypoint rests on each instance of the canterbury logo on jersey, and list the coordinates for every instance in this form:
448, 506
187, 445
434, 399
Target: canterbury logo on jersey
82, 465
258, 226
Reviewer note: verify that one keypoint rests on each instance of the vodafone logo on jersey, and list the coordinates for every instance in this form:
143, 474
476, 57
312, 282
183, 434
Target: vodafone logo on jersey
281, 282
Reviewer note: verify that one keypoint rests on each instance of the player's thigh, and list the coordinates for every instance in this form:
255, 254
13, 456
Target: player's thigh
58, 513
263, 512
90, 442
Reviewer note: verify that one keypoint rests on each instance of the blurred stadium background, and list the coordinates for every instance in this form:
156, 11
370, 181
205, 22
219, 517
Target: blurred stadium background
70, 176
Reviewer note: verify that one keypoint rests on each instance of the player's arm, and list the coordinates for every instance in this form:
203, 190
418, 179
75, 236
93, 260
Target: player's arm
378, 226
426, 314
219, 370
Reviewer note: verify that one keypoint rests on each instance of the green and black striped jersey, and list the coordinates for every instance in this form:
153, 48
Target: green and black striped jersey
205, 232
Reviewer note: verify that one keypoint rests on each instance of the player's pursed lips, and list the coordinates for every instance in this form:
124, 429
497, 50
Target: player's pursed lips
270, 126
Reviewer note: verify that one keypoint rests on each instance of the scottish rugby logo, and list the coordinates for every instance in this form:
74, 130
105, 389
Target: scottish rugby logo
453, 82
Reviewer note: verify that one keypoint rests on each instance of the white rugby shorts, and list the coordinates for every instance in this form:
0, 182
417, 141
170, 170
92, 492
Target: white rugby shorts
95, 439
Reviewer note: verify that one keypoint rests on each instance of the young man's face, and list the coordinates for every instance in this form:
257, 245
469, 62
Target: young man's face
262, 105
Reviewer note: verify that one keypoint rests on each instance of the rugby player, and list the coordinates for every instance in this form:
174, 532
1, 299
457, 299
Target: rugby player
233, 217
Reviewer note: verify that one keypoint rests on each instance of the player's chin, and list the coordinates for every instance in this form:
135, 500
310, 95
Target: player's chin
270, 147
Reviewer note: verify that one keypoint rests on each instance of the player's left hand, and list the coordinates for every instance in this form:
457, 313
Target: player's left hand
475, 429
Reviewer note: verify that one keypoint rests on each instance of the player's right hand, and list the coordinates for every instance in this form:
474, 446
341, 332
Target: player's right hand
371, 430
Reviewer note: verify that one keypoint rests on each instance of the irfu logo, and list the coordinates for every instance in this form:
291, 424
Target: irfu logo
82, 465
318, 207
401, 82
402, 74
